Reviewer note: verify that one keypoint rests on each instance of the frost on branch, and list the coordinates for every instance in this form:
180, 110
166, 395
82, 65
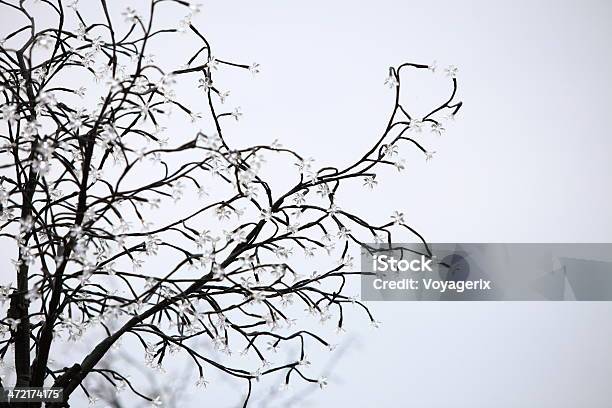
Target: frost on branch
120, 226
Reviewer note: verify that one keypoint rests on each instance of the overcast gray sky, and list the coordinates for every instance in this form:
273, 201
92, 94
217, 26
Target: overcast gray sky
528, 160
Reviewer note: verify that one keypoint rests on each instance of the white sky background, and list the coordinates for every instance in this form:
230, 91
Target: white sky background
529, 156
527, 160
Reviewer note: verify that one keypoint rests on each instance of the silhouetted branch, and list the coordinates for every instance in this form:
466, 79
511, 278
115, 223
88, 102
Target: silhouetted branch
79, 189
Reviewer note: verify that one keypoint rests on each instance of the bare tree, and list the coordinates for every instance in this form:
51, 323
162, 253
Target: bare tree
79, 189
